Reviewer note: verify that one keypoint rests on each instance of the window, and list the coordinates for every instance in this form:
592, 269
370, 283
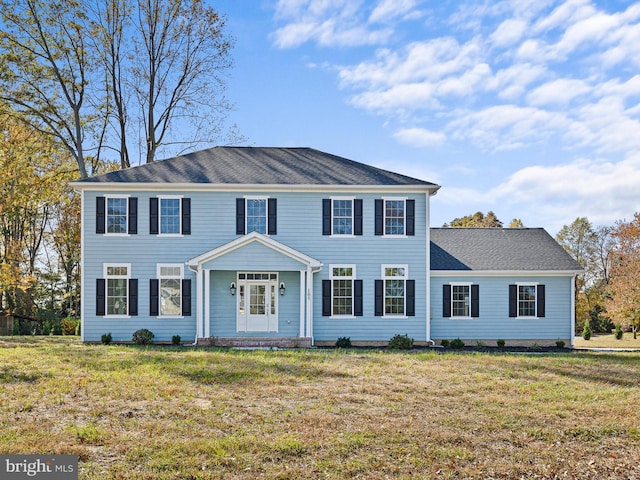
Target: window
527, 300
342, 210
460, 300
117, 294
395, 217
342, 290
256, 215
170, 216
170, 277
117, 215
394, 289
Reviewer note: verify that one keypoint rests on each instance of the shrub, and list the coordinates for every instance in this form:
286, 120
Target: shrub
618, 331
586, 331
401, 342
142, 337
344, 342
444, 343
46, 328
560, 344
106, 338
457, 343
176, 340
69, 326
500, 342
56, 328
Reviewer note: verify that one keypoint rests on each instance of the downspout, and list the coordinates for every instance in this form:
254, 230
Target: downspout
428, 267
195, 342
573, 309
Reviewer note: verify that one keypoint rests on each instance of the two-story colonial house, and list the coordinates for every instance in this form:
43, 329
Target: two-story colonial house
293, 246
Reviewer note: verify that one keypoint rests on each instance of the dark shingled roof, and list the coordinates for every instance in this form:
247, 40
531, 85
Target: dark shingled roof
491, 249
258, 166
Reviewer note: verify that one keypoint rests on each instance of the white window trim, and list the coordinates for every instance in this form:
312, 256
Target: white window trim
352, 278
246, 212
535, 302
460, 284
106, 277
160, 277
353, 222
384, 216
106, 214
384, 277
169, 197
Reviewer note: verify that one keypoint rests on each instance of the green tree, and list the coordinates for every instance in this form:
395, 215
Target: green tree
477, 220
516, 223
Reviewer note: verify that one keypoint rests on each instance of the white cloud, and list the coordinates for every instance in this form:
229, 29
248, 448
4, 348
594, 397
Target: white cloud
558, 92
419, 137
389, 10
509, 32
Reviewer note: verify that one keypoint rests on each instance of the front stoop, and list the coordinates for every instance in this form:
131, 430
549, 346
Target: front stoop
256, 342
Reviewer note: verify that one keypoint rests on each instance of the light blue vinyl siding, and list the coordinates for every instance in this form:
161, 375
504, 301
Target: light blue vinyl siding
213, 224
494, 321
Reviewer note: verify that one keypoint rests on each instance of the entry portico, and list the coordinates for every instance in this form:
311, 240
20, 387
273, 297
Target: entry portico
249, 274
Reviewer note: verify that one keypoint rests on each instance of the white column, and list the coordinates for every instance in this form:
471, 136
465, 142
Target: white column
207, 316
310, 304
199, 303
428, 267
302, 304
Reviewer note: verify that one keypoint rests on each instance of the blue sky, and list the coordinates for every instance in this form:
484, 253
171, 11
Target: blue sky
528, 108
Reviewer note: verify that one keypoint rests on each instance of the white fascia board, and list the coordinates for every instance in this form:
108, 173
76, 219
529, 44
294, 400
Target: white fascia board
504, 273
124, 186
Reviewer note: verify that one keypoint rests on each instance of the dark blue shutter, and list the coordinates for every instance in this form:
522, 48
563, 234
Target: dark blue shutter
446, 301
239, 216
357, 216
379, 300
100, 296
153, 216
326, 298
100, 215
475, 300
411, 298
379, 217
186, 297
133, 296
540, 300
186, 216
272, 228
154, 297
326, 216
513, 300
357, 298
133, 215
410, 215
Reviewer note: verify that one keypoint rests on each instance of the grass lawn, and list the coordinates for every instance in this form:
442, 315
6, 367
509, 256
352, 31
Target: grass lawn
608, 341
182, 413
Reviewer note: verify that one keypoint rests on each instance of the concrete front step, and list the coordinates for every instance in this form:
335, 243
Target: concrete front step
256, 342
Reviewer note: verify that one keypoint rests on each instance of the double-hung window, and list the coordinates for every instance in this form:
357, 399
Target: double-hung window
342, 291
527, 300
116, 215
256, 215
342, 216
395, 277
395, 217
170, 216
460, 300
117, 289
170, 278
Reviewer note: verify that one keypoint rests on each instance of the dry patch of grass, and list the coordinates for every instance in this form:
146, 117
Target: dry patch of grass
608, 341
167, 413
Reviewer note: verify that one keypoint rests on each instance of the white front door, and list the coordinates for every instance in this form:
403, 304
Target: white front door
257, 302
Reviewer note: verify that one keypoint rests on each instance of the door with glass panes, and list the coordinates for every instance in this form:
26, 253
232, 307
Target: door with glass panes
257, 307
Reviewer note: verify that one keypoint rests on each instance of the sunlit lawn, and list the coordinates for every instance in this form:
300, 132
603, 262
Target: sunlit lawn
181, 413
608, 341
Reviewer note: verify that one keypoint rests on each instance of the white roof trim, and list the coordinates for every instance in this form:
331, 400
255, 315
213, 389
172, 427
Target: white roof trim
218, 187
250, 238
503, 273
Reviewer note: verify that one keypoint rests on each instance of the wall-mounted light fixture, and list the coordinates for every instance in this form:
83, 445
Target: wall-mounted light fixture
232, 288
282, 288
